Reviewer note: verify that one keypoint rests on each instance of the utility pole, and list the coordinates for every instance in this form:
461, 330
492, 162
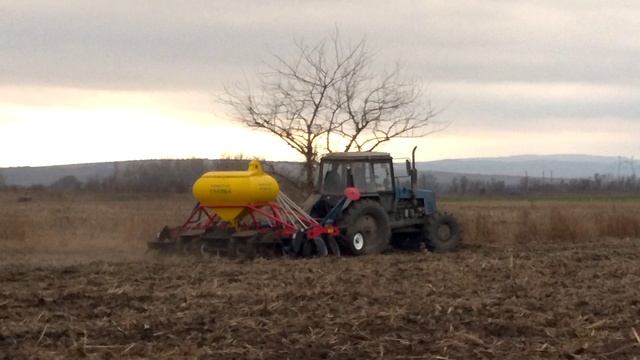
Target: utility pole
619, 161
630, 162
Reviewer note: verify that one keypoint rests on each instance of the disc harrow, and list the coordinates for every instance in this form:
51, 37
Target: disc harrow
271, 229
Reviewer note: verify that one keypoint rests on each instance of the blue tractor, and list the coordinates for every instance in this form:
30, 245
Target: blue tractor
388, 212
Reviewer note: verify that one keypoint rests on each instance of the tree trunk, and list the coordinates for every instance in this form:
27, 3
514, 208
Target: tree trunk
308, 168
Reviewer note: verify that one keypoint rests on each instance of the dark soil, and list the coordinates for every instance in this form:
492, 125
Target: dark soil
573, 300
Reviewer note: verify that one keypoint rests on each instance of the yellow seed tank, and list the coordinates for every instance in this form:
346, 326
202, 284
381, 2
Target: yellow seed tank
228, 192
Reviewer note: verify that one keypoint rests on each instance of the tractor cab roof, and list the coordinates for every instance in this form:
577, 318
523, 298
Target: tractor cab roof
357, 156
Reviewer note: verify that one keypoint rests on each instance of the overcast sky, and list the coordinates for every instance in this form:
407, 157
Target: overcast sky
110, 80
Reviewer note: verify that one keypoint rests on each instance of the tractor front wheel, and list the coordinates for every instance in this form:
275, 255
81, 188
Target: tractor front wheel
442, 233
367, 228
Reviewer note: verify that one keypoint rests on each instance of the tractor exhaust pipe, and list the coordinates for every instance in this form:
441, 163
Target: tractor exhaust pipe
414, 176
414, 172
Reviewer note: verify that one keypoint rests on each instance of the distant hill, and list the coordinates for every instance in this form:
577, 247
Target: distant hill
508, 169
47, 175
556, 166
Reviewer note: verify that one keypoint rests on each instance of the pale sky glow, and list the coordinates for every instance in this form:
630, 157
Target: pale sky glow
107, 126
116, 80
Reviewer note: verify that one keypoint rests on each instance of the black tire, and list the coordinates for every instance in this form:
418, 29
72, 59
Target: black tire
367, 228
442, 233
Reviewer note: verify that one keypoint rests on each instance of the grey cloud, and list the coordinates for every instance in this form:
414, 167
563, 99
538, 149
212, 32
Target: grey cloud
104, 47
519, 109
536, 106
199, 44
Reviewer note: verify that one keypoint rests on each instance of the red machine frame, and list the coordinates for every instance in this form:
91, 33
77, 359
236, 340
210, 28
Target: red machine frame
274, 212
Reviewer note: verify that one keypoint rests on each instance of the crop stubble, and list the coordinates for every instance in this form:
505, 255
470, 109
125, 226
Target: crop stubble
497, 298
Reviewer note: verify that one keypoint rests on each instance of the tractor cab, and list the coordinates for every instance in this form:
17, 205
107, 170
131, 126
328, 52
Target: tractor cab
370, 172
373, 174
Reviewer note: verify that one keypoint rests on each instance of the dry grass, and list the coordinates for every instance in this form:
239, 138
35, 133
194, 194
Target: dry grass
85, 225
619, 223
521, 222
77, 226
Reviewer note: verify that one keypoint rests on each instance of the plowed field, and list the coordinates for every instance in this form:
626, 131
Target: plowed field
571, 299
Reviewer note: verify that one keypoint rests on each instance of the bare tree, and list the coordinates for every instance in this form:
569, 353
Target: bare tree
328, 98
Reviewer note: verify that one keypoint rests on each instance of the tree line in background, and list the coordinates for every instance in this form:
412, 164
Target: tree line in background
596, 184
164, 176
177, 176
143, 176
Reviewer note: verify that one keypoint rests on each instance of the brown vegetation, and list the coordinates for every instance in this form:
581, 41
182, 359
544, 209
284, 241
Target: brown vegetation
541, 279
522, 221
87, 226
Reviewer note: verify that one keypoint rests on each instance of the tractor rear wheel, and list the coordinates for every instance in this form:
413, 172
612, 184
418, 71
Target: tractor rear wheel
367, 228
442, 233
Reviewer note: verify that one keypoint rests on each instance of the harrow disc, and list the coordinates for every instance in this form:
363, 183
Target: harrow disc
333, 246
314, 248
242, 247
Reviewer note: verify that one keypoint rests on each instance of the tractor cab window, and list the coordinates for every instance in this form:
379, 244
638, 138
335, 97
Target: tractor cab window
334, 178
363, 177
382, 175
